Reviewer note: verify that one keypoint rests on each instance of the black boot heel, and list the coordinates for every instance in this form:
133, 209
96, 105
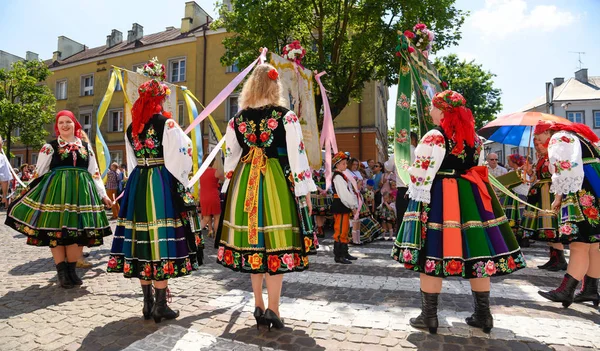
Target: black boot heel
62, 272
428, 317
482, 317
259, 315
160, 309
272, 320
564, 293
588, 292
73, 273
148, 301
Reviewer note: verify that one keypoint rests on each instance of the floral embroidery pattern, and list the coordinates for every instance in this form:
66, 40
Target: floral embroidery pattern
46, 149
403, 102
424, 162
265, 129
434, 140
262, 262
588, 202
568, 229
561, 166
563, 139
405, 70
147, 148
402, 136
420, 181
290, 118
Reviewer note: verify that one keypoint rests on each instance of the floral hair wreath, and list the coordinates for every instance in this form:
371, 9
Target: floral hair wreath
448, 100
153, 69
273, 74
154, 87
517, 159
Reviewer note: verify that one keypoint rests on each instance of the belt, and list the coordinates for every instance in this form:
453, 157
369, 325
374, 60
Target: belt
588, 160
150, 161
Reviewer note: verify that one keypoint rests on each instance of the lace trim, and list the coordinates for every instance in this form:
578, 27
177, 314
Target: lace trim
419, 194
566, 185
304, 187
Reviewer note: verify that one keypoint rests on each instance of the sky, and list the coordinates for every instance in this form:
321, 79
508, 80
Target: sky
525, 43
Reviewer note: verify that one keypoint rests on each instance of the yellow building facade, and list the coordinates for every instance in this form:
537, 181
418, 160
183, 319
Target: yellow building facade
192, 56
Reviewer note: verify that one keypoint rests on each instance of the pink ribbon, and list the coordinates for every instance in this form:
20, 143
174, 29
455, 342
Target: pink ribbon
327, 134
224, 94
350, 177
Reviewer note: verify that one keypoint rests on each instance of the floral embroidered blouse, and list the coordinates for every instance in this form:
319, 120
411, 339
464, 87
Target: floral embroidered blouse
276, 130
60, 153
434, 153
566, 154
162, 138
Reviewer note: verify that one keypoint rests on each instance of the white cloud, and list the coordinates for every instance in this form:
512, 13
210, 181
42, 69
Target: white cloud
500, 18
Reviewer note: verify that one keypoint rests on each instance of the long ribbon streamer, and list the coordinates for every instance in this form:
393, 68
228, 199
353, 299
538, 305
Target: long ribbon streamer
207, 162
496, 184
218, 100
327, 140
104, 155
213, 124
12, 171
197, 146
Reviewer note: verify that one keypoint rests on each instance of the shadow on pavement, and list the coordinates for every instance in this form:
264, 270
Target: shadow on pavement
426, 341
37, 297
280, 339
46, 264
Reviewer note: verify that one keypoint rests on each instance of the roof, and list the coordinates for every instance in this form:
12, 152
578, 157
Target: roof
155, 38
570, 90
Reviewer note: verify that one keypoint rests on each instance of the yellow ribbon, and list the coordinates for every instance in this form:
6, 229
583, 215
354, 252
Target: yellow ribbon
258, 164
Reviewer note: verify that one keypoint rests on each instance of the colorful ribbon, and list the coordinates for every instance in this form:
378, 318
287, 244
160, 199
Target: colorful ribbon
258, 164
327, 140
197, 145
350, 178
207, 162
104, 155
224, 94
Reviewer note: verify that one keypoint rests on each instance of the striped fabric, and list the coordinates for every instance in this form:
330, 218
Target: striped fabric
536, 224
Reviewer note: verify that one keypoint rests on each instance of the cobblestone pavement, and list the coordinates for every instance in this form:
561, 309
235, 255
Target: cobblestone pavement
363, 306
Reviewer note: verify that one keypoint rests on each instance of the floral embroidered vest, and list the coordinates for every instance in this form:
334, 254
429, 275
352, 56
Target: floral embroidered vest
148, 144
69, 155
460, 162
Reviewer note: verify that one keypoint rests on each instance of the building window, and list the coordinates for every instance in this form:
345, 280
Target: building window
596, 115
86, 122
514, 150
34, 158
17, 161
61, 90
87, 85
115, 121
116, 156
232, 107
181, 117
576, 116
177, 70
118, 87
233, 68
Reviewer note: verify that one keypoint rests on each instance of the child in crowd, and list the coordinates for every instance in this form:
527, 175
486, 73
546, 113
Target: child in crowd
387, 215
370, 195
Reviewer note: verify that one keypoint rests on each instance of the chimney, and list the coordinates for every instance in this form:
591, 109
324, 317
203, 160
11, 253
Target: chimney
558, 81
114, 38
31, 56
195, 17
136, 33
67, 48
582, 75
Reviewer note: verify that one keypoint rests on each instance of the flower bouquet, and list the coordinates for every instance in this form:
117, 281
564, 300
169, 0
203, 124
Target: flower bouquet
421, 38
294, 52
154, 69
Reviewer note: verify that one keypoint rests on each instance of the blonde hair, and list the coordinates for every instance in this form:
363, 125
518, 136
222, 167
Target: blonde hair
260, 90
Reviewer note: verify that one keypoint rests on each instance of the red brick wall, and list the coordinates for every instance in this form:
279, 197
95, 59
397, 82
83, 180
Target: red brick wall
349, 142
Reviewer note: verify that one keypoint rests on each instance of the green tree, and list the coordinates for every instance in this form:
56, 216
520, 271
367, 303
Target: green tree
474, 83
25, 103
354, 41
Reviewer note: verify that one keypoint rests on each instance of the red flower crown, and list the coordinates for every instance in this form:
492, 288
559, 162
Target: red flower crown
447, 100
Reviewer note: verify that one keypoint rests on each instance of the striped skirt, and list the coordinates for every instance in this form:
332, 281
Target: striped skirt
158, 232
321, 204
285, 236
514, 212
61, 208
540, 225
466, 240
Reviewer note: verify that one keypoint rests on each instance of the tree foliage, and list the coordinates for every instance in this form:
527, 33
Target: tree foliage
25, 103
354, 41
474, 83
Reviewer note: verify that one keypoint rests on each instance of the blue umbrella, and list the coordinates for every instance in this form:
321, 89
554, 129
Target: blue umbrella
513, 135
517, 128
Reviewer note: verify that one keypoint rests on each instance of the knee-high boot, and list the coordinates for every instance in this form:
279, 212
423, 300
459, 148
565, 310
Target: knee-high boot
160, 309
428, 317
148, 301
482, 317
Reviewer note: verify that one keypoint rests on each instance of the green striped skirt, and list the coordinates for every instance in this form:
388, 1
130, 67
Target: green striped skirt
285, 235
61, 208
540, 225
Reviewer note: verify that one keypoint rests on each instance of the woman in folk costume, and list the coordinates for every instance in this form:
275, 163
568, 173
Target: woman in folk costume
454, 224
542, 225
64, 206
575, 166
513, 208
343, 207
157, 230
266, 228
366, 228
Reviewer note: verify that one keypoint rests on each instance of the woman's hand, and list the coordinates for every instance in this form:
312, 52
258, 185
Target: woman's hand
107, 202
556, 203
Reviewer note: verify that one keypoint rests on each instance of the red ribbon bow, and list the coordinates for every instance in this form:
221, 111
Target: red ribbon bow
479, 176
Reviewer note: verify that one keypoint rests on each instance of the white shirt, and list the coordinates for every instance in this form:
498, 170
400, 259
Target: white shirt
498, 171
344, 190
5, 173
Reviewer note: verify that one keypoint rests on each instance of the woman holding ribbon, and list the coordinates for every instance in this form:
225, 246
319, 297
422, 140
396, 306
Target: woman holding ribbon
266, 228
158, 227
574, 160
454, 225
64, 206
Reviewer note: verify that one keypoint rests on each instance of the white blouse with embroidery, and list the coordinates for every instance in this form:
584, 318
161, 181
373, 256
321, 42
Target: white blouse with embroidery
344, 190
303, 182
566, 163
429, 155
45, 159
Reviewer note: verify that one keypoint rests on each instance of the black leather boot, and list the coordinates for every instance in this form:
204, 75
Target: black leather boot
589, 291
73, 273
148, 301
428, 317
482, 317
551, 261
560, 264
347, 254
564, 293
338, 251
160, 309
62, 272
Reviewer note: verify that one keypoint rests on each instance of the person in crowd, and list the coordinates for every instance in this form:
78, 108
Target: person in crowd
5, 175
68, 182
454, 225
387, 215
370, 196
210, 198
542, 225
158, 229
513, 208
369, 168
266, 228
353, 171
378, 180
343, 207
493, 167
112, 187
575, 167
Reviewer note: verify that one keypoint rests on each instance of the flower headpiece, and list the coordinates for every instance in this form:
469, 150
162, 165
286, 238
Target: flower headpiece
153, 69
542, 126
337, 158
517, 159
76, 131
294, 52
420, 37
273, 74
447, 100
152, 95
